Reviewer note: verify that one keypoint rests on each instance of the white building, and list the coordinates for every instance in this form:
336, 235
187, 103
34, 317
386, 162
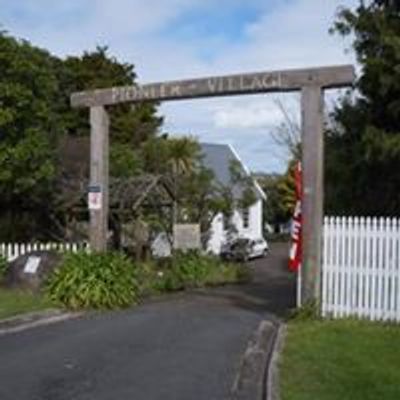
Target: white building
247, 222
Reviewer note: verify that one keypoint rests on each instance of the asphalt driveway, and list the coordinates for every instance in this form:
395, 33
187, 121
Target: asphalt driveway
186, 346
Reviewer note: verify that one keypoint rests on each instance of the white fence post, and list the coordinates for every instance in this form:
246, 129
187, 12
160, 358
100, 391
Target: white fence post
11, 251
361, 268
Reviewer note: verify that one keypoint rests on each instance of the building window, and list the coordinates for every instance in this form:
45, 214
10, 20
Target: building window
246, 217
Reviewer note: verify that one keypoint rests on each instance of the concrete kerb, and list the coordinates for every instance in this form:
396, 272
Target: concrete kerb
251, 380
272, 391
32, 320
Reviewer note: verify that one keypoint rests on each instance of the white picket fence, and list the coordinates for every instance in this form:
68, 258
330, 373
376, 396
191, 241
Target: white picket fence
361, 268
11, 251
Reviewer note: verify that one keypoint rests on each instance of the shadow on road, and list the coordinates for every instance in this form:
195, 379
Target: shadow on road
271, 290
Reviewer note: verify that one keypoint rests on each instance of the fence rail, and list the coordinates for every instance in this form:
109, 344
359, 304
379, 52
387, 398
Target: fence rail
11, 251
361, 268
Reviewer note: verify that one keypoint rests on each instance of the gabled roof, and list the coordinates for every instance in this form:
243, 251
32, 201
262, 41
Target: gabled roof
218, 158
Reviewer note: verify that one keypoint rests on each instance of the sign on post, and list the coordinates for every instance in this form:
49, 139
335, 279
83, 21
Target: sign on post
94, 197
187, 236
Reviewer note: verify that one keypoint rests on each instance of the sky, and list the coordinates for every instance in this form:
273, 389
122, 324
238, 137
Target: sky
178, 39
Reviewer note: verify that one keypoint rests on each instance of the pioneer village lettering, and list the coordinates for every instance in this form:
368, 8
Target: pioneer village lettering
210, 86
213, 86
310, 81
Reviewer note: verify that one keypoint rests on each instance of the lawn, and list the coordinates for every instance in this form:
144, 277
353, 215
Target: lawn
17, 302
346, 360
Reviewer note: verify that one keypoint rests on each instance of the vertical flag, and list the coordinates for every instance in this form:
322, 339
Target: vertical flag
295, 250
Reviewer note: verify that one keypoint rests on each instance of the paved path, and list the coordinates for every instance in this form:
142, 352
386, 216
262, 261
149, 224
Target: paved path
185, 347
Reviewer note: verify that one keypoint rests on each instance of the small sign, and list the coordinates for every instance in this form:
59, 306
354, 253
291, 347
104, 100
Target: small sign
94, 197
187, 236
32, 265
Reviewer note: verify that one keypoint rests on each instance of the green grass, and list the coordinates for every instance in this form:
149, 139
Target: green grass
14, 302
346, 360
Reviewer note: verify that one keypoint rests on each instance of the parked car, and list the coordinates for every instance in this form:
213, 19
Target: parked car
259, 248
243, 249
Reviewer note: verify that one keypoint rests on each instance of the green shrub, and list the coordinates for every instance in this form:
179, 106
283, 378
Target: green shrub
149, 277
3, 267
99, 280
192, 270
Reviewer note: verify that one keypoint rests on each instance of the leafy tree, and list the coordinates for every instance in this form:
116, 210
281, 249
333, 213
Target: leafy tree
363, 146
29, 126
203, 197
35, 114
198, 196
275, 209
130, 126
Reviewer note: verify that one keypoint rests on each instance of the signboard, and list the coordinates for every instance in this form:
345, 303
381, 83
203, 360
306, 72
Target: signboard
227, 85
187, 236
94, 197
32, 265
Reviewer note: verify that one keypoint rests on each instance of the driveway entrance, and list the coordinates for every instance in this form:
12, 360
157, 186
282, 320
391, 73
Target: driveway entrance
187, 346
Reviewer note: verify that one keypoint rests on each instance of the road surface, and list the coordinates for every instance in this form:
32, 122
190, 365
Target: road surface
186, 346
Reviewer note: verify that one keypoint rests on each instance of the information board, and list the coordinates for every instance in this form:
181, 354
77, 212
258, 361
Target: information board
187, 236
32, 265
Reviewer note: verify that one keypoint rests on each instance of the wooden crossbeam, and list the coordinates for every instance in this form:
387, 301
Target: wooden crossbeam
228, 85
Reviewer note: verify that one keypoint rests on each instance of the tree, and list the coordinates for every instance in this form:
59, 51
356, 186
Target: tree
96, 70
35, 115
131, 126
198, 196
280, 188
202, 197
276, 210
29, 126
287, 135
363, 145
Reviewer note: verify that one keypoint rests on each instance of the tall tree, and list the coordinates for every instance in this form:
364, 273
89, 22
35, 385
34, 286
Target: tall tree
131, 126
363, 146
29, 126
35, 114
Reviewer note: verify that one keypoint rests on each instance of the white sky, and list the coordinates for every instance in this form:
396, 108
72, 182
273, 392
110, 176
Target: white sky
177, 39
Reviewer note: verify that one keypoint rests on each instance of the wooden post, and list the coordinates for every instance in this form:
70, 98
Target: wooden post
313, 192
99, 154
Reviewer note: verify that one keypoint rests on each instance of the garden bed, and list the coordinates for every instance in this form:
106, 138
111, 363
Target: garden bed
112, 280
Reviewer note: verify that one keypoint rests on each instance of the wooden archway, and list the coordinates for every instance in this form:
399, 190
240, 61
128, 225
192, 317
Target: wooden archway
311, 82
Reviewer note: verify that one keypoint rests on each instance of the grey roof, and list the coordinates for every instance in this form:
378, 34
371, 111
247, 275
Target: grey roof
218, 158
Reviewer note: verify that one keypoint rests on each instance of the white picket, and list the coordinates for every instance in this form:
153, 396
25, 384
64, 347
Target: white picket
325, 272
11, 251
335, 267
343, 240
362, 261
356, 281
361, 268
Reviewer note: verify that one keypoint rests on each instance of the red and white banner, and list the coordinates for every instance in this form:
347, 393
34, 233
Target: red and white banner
295, 250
